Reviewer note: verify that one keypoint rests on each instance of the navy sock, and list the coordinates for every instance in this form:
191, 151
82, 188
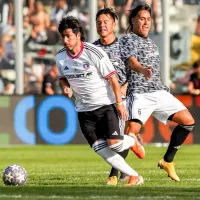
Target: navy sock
178, 136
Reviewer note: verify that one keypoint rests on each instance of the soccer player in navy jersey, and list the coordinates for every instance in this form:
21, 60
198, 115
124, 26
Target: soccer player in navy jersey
86, 70
146, 93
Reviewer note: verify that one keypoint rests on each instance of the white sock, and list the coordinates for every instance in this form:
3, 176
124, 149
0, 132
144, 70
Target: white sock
124, 144
128, 142
112, 158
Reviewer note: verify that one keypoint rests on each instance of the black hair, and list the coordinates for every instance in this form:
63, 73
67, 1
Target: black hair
196, 64
134, 12
107, 11
72, 23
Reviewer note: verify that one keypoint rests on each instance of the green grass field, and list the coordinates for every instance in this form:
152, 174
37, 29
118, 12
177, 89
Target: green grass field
76, 172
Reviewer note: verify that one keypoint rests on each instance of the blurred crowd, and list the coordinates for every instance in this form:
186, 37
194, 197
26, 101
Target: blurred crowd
42, 40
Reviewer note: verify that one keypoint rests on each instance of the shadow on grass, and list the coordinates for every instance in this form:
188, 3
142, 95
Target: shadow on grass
104, 191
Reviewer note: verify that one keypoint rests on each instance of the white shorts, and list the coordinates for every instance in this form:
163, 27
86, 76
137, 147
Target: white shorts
161, 104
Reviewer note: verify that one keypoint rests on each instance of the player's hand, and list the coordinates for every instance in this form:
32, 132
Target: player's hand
122, 111
147, 72
67, 91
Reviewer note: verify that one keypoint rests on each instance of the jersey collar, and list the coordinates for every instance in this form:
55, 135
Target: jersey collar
79, 53
115, 40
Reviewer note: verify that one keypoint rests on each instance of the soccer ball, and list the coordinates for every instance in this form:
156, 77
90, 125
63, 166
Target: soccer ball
14, 175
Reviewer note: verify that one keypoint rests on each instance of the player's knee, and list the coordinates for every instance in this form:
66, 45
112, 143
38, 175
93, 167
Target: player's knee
191, 121
133, 128
187, 119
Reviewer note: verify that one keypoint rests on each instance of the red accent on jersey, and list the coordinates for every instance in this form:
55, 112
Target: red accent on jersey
77, 55
109, 75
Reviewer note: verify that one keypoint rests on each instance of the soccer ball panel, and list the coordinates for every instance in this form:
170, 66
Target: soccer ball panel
14, 175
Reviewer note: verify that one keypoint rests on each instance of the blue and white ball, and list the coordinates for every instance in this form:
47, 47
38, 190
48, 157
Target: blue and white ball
14, 175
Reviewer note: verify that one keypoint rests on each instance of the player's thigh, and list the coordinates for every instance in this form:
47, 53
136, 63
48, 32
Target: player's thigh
167, 106
88, 126
110, 124
140, 106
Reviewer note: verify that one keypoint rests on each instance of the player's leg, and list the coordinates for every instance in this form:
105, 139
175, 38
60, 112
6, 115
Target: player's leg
133, 128
113, 176
117, 162
171, 109
124, 177
116, 139
89, 123
185, 125
110, 124
139, 109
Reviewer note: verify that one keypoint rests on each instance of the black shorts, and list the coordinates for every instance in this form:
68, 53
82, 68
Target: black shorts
102, 123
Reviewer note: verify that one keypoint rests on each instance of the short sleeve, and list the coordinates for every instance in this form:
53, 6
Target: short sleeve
103, 63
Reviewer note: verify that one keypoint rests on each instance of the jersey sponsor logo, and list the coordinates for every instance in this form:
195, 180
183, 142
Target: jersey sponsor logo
88, 74
86, 65
85, 75
66, 68
115, 133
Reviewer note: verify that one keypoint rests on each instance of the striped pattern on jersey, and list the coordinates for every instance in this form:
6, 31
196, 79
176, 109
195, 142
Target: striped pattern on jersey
63, 49
146, 52
94, 50
113, 52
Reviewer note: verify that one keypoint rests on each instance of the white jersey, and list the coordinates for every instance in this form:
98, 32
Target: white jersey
87, 74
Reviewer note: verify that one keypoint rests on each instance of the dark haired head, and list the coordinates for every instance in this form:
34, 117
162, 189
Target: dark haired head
71, 23
134, 12
107, 11
196, 64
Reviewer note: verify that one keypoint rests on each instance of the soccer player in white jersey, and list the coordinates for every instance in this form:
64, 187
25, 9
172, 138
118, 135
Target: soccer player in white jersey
146, 93
106, 20
87, 71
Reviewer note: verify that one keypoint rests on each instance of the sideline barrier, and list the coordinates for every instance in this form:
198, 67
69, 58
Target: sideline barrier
53, 120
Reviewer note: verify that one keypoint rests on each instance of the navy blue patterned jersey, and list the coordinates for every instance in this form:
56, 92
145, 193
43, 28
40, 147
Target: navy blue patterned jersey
146, 52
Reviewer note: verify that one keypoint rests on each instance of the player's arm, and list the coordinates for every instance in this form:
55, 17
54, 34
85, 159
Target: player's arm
65, 87
133, 64
49, 90
124, 89
116, 87
107, 70
117, 92
192, 90
63, 81
128, 49
48, 85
